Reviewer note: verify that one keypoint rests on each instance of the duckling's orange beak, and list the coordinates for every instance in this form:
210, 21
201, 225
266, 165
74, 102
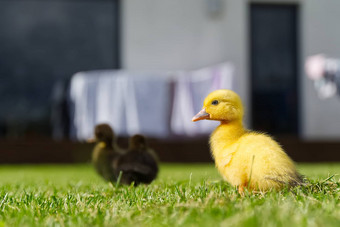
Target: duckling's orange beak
201, 115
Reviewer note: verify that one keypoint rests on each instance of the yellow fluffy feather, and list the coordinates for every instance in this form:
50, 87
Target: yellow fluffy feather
245, 158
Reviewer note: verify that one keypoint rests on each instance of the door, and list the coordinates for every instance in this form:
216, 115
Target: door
273, 46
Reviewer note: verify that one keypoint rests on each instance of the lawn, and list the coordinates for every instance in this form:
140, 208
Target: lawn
183, 195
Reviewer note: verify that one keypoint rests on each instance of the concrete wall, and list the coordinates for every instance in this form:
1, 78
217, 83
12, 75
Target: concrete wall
321, 34
183, 34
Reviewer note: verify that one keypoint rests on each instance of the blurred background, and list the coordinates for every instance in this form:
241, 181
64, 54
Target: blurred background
145, 66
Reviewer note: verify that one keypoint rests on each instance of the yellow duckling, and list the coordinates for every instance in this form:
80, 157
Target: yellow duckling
244, 158
105, 152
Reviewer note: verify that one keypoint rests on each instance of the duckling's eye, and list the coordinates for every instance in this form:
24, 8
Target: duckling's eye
215, 102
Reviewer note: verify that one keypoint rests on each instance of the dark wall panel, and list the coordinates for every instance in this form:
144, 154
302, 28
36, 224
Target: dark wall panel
42, 42
274, 51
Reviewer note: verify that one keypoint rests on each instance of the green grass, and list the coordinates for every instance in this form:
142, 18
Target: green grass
183, 195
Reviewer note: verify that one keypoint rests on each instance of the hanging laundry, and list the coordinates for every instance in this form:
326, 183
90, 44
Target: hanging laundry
131, 102
190, 90
156, 104
83, 92
325, 72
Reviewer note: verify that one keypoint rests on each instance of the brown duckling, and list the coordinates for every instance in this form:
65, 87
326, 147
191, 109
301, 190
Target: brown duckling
138, 164
105, 152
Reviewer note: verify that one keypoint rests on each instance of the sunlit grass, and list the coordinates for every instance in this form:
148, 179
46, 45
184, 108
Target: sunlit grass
188, 195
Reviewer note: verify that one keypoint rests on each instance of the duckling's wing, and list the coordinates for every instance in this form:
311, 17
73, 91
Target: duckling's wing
141, 163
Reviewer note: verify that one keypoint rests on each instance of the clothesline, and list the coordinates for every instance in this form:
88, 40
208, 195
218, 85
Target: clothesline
156, 104
325, 72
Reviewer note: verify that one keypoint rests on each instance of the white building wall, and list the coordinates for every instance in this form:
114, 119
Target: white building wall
182, 34
321, 34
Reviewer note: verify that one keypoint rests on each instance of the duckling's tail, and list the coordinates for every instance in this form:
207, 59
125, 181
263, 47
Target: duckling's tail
293, 180
301, 179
